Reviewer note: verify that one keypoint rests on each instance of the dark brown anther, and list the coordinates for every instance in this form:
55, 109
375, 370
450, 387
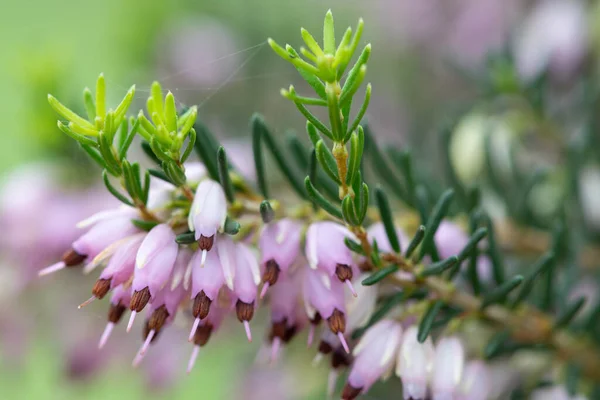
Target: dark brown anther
343, 272
139, 299
71, 258
158, 318
202, 334
201, 305
101, 287
350, 393
244, 311
146, 332
206, 243
115, 312
278, 329
337, 321
271, 273
290, 332
324, 347
340, 359
316, 320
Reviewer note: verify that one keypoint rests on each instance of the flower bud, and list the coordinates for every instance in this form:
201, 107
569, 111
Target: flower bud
208, 213
448, 367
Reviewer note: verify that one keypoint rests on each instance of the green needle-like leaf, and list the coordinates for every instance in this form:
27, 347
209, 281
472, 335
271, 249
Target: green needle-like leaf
416, 240
439, 267
266, 211
185, 238
114, 191
427, 321
224, 177
439, 212
261, 178
387, 218
379, 275
329, 34
567, 315
500, 293
321, 201
327, 161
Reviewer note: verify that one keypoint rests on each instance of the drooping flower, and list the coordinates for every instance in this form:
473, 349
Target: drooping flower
326, 296
203, 332
326, 250
414, 364
448, 368
476, 381
93, 242
279, 245
286, 318
374, 357
154, 263
242, 276
207, 280
208, 213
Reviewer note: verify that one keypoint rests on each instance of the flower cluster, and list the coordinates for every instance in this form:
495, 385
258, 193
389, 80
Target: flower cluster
197, 239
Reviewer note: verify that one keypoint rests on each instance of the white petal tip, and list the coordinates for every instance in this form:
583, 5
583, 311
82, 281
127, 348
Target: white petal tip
263, 292
105, 335
130, 323
248, 331
85, 303
194, 328
51, 269
193, 358
340, 336
317, 360
351, 287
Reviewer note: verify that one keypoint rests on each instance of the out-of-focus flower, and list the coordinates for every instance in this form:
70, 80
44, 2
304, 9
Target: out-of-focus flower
589, 193
476, 381
448, 365
374, 357
414, 364
555, 393
555, 36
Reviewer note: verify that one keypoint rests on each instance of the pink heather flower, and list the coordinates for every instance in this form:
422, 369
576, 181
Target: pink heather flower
121, 297
279, 245
359, 309
163, 309
374, 357
207, 280
93, 242
285, 321
377, 232
326, 250
194, 172
448, 367
121, 265
555, 35
154, 263
208, 213
325, 296
450, 239
476, 381
242, 276
414, 364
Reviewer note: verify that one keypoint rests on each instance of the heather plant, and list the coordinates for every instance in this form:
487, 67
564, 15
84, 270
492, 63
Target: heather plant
386, 270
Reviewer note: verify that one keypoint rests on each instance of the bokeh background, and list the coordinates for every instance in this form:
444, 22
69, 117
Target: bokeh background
426, 57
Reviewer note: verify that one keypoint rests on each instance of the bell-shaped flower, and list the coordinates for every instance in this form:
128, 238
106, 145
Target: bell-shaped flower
325, 296
476, 381
359, 309
279, 245
374, 357
242, 276
207, 280
208, 213
154, 263
414, 364
285, 303
448, 368
327, 251
94, 242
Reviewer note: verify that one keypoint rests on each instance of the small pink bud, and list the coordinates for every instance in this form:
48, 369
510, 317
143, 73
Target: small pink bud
414, 364
450, 239
374, 355
448, 367
209, 210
